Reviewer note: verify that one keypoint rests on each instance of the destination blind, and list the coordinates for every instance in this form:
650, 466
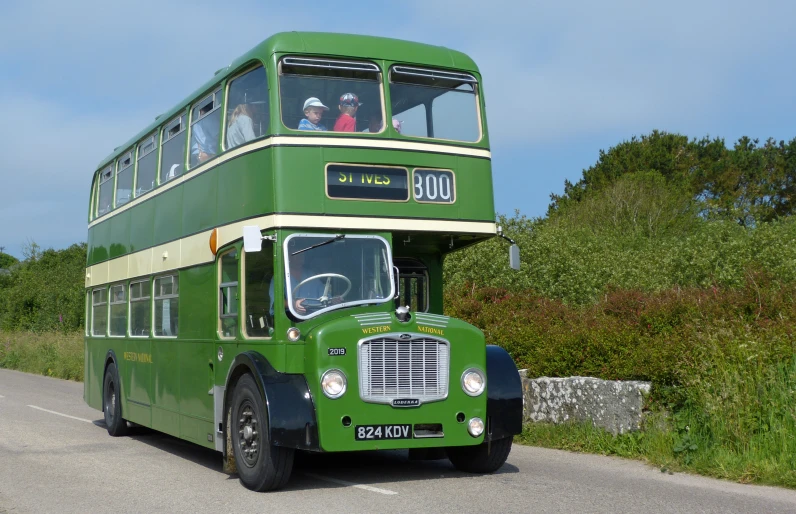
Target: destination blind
367, 182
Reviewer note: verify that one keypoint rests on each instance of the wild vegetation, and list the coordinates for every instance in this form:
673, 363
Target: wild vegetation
672, 260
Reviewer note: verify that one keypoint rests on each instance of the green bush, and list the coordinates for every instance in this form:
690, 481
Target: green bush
577, 264
722, 362
45, 292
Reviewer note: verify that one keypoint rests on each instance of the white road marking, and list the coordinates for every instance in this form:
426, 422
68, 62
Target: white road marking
351, 484
60, 414
1, 396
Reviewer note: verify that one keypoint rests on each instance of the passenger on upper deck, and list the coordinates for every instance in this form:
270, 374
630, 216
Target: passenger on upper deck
375, 125
313, 110
347, 121
241, 127
204, 140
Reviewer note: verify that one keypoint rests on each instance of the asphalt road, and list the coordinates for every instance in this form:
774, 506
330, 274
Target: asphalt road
55, 456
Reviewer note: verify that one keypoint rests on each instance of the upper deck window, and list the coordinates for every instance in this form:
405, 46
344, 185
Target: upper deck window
205, 128
247, 108
172, 149
105, 202
147, 166
124, 178
330, 95
435, 103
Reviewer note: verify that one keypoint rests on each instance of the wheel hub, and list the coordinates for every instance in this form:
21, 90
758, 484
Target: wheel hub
249, 436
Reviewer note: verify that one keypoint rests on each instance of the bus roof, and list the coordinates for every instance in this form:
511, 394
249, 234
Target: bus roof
318, 43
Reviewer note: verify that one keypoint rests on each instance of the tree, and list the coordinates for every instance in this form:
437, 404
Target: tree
6, 260
749, 183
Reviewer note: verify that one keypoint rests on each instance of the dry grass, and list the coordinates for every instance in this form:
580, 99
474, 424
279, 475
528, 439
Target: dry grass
54, 354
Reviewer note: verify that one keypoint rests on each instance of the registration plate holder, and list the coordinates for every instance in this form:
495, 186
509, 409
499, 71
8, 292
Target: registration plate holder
382, 432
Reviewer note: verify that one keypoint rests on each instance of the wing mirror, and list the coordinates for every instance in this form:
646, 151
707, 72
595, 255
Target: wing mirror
514, 250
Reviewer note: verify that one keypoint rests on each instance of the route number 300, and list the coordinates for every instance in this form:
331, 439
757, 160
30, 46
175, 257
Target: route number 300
434, 186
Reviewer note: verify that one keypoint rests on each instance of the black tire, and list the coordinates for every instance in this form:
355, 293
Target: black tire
481, 458
261, 466
112, 403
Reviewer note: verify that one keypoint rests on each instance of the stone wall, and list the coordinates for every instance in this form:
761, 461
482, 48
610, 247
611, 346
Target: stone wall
613, 405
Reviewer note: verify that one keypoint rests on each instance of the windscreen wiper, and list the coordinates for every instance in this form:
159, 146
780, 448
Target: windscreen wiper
338, 237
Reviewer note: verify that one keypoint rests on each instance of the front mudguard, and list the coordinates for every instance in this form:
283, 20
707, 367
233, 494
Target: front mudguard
291, 411
503, 395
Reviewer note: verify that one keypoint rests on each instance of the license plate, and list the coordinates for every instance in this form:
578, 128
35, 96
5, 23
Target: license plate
380, 432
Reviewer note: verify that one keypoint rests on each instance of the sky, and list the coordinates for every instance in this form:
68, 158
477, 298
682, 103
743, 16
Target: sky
563, 80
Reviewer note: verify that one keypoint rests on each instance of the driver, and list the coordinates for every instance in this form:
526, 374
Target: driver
302, 268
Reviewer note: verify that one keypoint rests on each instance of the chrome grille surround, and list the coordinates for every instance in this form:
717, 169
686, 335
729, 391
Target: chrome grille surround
400, 366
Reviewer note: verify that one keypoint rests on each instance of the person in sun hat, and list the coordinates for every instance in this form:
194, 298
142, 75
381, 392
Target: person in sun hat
347, 121
313, 110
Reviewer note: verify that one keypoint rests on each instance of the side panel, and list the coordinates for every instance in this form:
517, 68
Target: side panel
166, 386
137, 378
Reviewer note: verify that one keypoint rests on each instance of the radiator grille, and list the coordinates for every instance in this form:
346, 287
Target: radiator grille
391, 368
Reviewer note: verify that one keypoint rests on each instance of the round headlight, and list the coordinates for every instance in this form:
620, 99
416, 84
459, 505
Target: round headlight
473, 381
333, 383
475, 426
293, 333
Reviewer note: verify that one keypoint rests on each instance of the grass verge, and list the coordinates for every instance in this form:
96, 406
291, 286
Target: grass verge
54, 354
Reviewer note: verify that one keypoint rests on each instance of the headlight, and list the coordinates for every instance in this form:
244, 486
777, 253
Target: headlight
476, 427
473, 381
333, 383
293, 333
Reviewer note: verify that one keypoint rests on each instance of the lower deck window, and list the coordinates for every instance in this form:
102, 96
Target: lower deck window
140, 309
259, 291
228, 294
118, 322
166, 306
99, 312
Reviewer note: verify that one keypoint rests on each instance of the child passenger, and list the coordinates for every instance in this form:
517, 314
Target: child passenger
347, 121
313, 110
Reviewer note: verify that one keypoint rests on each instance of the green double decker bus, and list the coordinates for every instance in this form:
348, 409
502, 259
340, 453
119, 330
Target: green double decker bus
265, 260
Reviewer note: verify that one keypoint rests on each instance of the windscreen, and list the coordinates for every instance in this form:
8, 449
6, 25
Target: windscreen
435, 104
332, 271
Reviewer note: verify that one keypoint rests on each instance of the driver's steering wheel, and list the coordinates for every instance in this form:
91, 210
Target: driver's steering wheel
323, 301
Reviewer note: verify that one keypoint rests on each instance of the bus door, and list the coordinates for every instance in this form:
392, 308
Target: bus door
413, 284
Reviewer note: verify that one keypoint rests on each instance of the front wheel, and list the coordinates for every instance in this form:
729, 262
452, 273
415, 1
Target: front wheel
261, 466
112, 403
484, 458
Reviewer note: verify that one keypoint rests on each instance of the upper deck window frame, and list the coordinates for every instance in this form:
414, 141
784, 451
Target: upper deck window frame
436, 78
149, 144
329, 64
124, 163
168, 133
302, 66
216, 97
105, 174
231, 82
432, 74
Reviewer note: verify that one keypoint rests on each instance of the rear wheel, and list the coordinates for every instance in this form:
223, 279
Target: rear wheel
484, 458
261, 466
112, 401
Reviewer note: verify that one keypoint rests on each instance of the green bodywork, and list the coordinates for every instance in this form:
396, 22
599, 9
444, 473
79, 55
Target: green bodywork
168, 384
